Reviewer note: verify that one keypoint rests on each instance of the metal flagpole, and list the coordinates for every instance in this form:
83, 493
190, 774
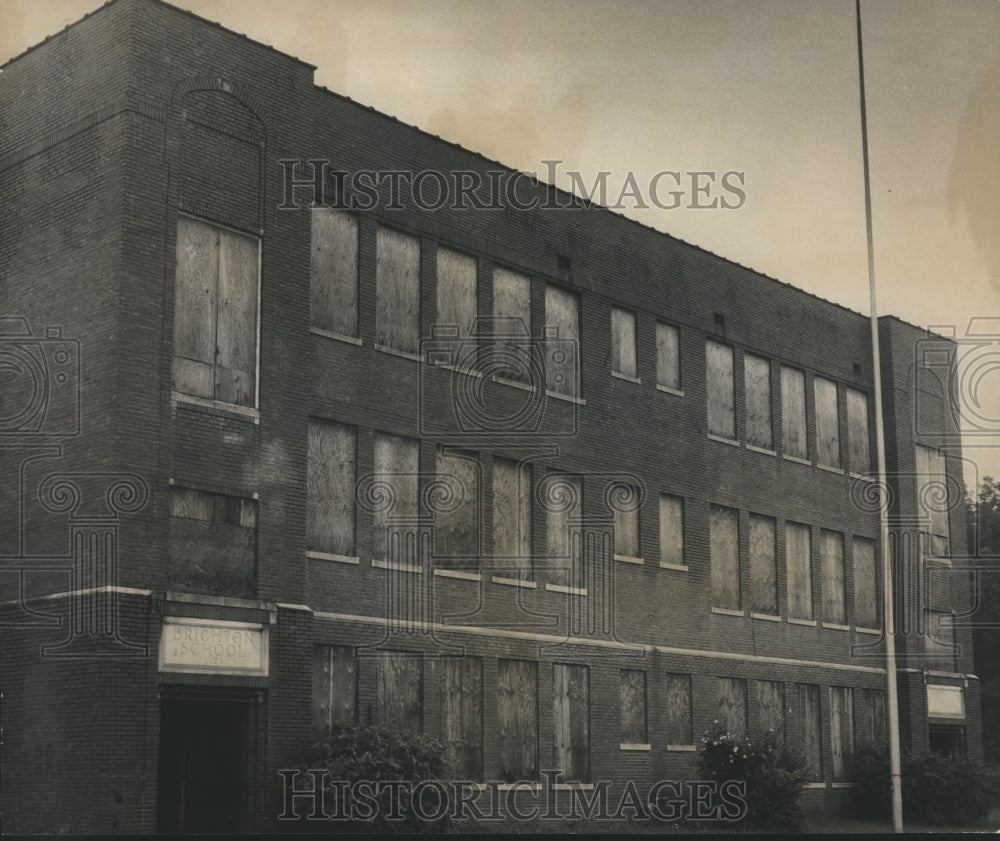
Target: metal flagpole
888, 622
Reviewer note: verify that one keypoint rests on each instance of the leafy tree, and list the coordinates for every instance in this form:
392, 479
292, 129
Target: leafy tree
983, 518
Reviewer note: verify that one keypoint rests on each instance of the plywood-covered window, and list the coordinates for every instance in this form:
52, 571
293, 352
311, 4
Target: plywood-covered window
677, 709
827, 423
397, 463
869, 718
793, 413
512, 324
733, 705
933, 500
939, 640
517, 720
512, 515
623, 342
335, 687
562, 345
866, 612
456, 291
632, 698
215, 313
671, 530
462, 715
334, 302
719, 376
757, 376
798, 566
763, 565
832, 566
564, 508
805, 726
399, 690
397, 291
668, 357
858, 447
454, 503
627, 529
571, 721
771, 706
330, 486
842, 732
724, 551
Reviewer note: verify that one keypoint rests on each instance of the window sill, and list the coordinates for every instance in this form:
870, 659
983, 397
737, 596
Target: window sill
636, 746
627, 377
513, 383
841, 785
569, 398
793, 621
629, 559
835, 627
515, 582
326, 556
398, 567
722, 440
682, 748
762, 450
459, 574
562, 588
402, 354
815, 785
340, 337
874, 631
727, 611
769, 617
797, 460
447, 366
668, 390
830, 469
225, 409
864, 476
678, 567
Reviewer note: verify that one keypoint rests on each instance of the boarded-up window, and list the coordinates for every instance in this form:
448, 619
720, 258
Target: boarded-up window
213, 542
771, 706
454, 502
562, 332
564, 505
677, 708
462, 715
757, 373
939, 640
933, 500
842, 732
724, 549
334, 271
671, 530
517, 720
827, 423
397, 464
668, 357
763, 566
335, 687
397, 291
512, 318
866, 613
733, 705
798, 560
858, 447
793, 413
215, 313
330, 486
571, 720
719, 374
623, 342
832, 564
399, 690
456, 291
633, 707
627, 529
804, 726
869, 718
512, 515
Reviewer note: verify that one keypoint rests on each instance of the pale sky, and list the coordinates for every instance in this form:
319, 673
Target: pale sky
765, 87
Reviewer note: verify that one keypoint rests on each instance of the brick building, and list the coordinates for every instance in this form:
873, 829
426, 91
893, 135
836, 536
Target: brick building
283, 448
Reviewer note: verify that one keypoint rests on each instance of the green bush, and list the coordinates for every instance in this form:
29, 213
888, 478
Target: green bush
936, 789
355, 752
774, 773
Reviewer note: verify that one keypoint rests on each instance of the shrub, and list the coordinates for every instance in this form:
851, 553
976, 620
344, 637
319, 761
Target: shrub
773, 772
355, 752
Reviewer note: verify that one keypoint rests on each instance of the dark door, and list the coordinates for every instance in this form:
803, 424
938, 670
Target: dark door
204, 752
